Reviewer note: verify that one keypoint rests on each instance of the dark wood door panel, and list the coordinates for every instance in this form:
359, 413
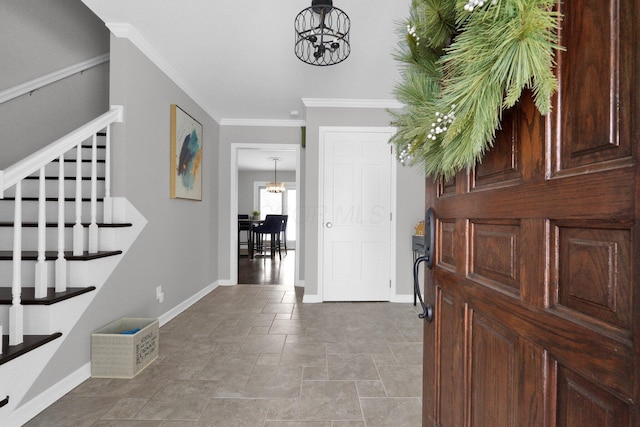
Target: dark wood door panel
450, 339
591, 350
592, 274
493, 363
591, 124
583, 403
605, 195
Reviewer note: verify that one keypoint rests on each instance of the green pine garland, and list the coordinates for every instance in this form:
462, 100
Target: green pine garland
465, 62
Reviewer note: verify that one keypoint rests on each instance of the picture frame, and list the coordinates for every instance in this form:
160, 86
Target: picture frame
186, 155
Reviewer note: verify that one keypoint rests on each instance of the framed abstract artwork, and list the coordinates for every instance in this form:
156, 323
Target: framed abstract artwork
186, 155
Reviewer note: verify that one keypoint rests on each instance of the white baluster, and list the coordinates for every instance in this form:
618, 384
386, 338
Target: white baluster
107, 204
16, 317
78, 230
61, 262
41, 265
93, 226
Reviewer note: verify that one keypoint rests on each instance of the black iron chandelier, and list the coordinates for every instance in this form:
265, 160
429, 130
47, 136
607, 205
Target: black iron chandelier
322, 34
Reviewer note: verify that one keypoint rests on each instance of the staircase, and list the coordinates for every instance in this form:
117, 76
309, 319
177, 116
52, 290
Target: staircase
61, 236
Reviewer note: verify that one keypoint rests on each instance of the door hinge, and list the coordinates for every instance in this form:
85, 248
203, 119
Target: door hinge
389, 282
390, 216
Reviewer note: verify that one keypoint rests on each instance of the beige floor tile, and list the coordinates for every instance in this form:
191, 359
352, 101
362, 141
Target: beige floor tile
253, 355
235, 412
274, 382
229, 366
404, 412
329, 401
125, 409
303, 354
352, 367
261, 344
402, 381
74, 411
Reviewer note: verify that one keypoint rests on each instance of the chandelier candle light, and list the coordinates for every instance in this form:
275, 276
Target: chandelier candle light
322, 34
275, 186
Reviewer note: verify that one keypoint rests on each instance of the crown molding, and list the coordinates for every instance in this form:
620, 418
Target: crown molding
262, 122
351, 103
129, 32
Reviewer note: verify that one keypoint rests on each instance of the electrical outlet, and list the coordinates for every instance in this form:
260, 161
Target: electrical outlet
159, 294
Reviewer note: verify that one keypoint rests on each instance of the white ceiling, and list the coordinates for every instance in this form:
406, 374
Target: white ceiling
261, 159
236, 58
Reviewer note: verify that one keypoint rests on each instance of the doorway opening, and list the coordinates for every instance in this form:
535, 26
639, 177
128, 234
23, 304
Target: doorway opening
251, 169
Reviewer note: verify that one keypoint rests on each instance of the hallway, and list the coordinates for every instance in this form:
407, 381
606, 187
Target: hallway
254, 355
264, 270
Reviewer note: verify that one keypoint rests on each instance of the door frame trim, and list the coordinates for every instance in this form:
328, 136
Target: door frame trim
322, 131
233, 205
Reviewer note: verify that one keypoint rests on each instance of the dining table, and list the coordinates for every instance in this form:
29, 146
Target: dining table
252, 223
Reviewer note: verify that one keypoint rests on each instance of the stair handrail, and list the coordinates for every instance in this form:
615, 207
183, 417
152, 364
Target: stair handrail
32, 163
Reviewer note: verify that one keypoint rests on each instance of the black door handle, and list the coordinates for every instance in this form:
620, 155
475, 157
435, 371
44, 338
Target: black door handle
429, 240
427, 310
430, 236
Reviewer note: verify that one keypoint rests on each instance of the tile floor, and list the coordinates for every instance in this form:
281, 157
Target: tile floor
254, 355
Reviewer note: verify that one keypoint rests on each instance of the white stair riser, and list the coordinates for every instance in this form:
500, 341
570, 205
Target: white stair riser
49, 319
30, 238
51, 170
30, 188
75, 273
107, 238
30, 211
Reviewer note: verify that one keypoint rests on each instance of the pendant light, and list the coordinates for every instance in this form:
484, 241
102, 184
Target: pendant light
322, 34
275, 186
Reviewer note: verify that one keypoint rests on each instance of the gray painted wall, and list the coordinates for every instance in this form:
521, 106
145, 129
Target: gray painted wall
410, 194
40, 37
177, 248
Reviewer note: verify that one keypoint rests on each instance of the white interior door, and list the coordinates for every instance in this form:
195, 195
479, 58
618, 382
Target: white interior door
355, 231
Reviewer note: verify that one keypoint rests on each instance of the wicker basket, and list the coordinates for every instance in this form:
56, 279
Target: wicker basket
118, 355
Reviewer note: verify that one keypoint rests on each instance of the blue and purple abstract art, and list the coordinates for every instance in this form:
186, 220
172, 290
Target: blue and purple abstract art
189, 164
186, 152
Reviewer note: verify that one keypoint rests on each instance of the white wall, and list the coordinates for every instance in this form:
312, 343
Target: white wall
39, 37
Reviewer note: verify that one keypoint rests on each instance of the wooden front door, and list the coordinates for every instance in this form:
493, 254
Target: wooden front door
536, 278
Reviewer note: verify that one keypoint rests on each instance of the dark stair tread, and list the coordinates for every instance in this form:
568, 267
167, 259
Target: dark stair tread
53, 255
4, 401
66, 178
83, 160
27, 295
51, 199
67, 224
30, 342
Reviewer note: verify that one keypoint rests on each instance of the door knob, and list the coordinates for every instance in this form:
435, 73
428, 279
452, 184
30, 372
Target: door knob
328, 225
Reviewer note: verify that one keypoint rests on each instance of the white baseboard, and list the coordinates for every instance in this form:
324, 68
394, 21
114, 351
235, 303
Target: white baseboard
312, 299
166, 317
48, 397
404, 299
